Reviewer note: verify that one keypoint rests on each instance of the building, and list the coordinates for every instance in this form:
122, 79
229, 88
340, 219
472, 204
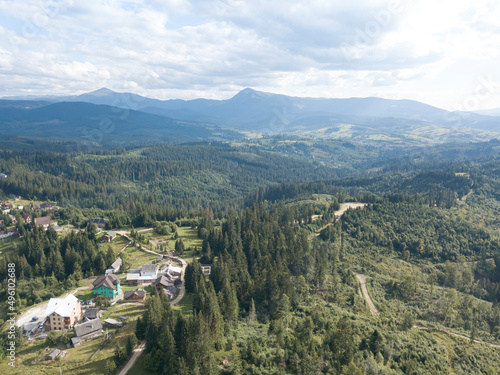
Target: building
206, 269
162, 282
88, 330
43, 221
92, 313
108, 237
100, 222
173, 271
115, 266
47, 206
63, 313
13, 219
135, 295
3, 175
27, 219
146, 275
30, 329
166, 285
11, 232
107, 285
53, 354
112, 323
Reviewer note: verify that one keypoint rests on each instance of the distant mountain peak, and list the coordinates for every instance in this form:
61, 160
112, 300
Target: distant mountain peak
101, 92
249, 93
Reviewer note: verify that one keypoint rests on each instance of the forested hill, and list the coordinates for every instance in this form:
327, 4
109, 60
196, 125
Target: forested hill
184, 176
284, 295
299, 305
100, 125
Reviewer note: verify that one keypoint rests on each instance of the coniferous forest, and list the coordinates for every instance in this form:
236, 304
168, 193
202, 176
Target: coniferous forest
285, 294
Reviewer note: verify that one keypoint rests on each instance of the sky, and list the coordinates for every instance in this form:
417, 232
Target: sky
445, 53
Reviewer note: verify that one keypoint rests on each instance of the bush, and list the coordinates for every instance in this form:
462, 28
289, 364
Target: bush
52, 338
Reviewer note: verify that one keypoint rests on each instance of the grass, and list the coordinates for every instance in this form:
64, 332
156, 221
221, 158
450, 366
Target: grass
85, 295
135, 257
77, 360
190, 239
117, 245
185, 307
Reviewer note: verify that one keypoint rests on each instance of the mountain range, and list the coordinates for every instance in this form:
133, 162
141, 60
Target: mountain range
135, 118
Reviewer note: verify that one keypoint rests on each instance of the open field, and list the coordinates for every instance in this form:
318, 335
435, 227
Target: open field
185, 306
134, 257
190, 239
117, 245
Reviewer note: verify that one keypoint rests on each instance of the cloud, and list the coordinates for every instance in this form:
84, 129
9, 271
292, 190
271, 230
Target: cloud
212, 48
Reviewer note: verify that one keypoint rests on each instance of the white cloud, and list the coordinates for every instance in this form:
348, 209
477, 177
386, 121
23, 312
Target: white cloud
428, 51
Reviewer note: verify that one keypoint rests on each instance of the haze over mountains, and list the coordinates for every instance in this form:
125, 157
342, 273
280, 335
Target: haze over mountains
133, 118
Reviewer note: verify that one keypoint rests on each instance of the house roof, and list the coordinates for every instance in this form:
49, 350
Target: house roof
149, 268
99, 221
53, 354
91, 313
109, 281
31, 326
84, 329
62, 306
45, 220
116, 264
110, 234
133, 276
172, 269
140, 293
162, 280
47, 205
113, 322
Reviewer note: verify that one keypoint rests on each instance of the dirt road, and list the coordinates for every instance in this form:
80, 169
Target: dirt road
182, 292
338, 214
417, 326
345, 206
182, 288
135, 356
362, 280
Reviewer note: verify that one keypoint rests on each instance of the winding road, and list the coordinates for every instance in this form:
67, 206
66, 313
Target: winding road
182, 292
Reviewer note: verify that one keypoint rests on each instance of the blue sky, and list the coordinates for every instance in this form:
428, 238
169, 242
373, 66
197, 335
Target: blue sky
443, 53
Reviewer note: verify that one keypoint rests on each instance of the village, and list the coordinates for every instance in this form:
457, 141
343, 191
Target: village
106, 306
